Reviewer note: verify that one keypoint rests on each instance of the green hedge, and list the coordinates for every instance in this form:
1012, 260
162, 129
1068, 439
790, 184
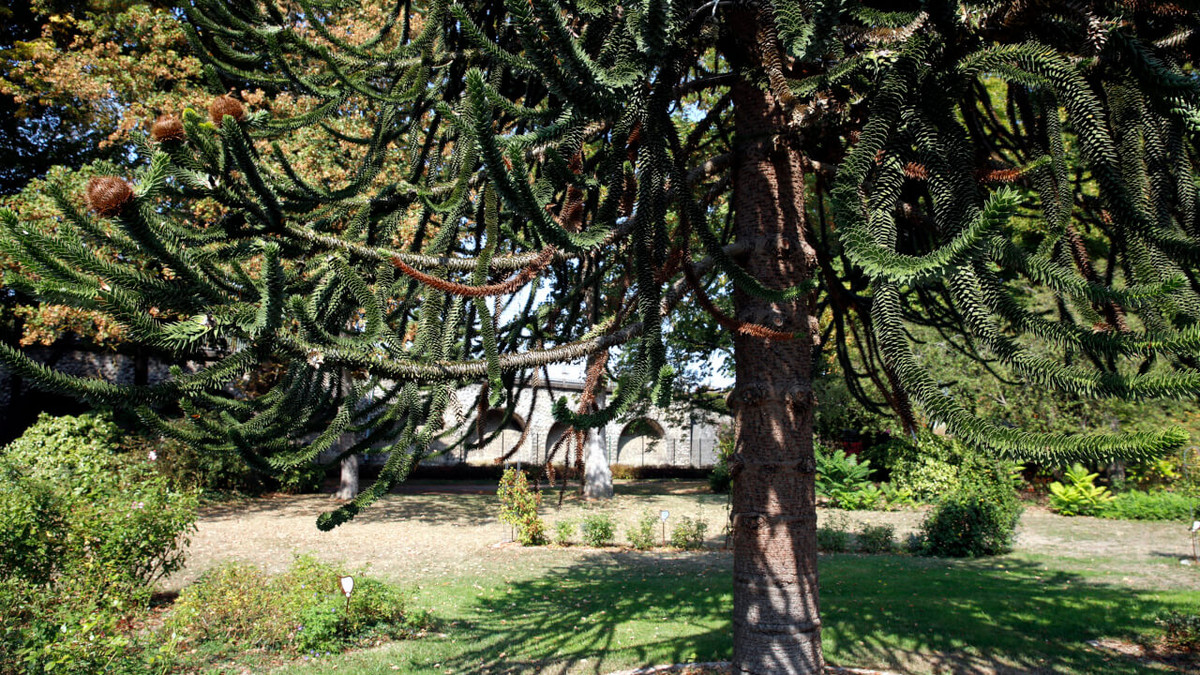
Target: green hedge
1157, 505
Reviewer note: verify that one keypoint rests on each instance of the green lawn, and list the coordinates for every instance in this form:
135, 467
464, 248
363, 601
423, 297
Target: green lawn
611, 611
576, 610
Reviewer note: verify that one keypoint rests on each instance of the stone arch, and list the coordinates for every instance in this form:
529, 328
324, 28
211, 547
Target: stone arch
493, 418
642, 443
501, 433
554, 433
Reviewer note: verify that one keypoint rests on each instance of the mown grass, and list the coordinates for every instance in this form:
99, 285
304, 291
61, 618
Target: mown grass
611, 611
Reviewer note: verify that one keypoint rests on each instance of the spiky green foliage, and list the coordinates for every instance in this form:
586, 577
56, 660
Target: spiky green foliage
525, 177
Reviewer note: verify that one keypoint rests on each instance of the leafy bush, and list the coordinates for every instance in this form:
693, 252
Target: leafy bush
833, 536
689, 533
564, 531
641, 535
866, 497
1079, 496
720, 480
1180, 630
519, 507
898, 498
69, 492
935, 465
840, 475
975, 520
1157, 472
1157, 505
844, 480
73, 627
216, 471
598, 529
33, 525
239, 607
207, 470
85, 531
877, 538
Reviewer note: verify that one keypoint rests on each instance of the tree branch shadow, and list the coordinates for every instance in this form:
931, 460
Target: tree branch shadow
609, 610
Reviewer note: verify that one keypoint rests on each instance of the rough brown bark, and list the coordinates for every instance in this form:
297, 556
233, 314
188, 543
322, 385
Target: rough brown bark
348, 484
776, 620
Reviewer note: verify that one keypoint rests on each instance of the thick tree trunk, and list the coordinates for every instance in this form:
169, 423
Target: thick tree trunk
597, 476
348, 485
776, 621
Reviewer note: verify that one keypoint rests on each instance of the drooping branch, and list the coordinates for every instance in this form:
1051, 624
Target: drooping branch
506, 287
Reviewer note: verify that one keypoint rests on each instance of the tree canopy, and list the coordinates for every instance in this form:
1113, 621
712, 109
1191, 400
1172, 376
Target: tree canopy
535, 181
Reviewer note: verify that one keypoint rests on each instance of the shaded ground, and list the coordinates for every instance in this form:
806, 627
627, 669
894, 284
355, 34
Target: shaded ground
431, 531
436, 530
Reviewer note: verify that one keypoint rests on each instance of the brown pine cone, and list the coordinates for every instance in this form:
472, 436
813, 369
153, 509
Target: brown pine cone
226, 105
167, 128
108, 195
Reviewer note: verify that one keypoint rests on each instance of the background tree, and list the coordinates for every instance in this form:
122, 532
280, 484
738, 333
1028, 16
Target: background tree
79, 75
922, 163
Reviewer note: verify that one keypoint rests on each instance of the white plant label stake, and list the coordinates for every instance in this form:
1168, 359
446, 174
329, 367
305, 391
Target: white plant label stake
347, 584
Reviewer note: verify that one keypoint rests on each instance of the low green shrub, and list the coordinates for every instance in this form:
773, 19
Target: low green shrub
689, 533
239, 607
1079, 495
644, 472
972, 521
519, 507
219, 471
844, 480
840, 475
598, 529
833, 536
642, 534
33, 525
1156, 505
564, 531
897, 497
1155, 473
720, 480
70, 500
868, 497
85, 531
1181, 630
76, 628
877, 538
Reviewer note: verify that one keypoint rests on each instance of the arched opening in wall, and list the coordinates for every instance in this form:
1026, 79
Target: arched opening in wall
501, 434
642, 443
556, 432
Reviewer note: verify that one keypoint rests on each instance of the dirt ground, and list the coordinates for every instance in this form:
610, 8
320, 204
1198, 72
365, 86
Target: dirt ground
424, 532
434, 531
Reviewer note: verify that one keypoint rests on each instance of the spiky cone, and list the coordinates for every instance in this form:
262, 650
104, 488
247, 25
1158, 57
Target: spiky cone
167, 128
108, 195
226, 105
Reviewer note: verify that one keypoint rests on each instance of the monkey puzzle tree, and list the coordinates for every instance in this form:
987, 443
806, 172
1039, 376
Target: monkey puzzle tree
526, 182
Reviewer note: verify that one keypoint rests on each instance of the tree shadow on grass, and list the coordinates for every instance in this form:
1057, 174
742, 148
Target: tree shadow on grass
994, 616
610, 611
606, 611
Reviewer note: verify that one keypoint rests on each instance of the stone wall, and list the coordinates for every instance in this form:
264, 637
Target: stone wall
650, 437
